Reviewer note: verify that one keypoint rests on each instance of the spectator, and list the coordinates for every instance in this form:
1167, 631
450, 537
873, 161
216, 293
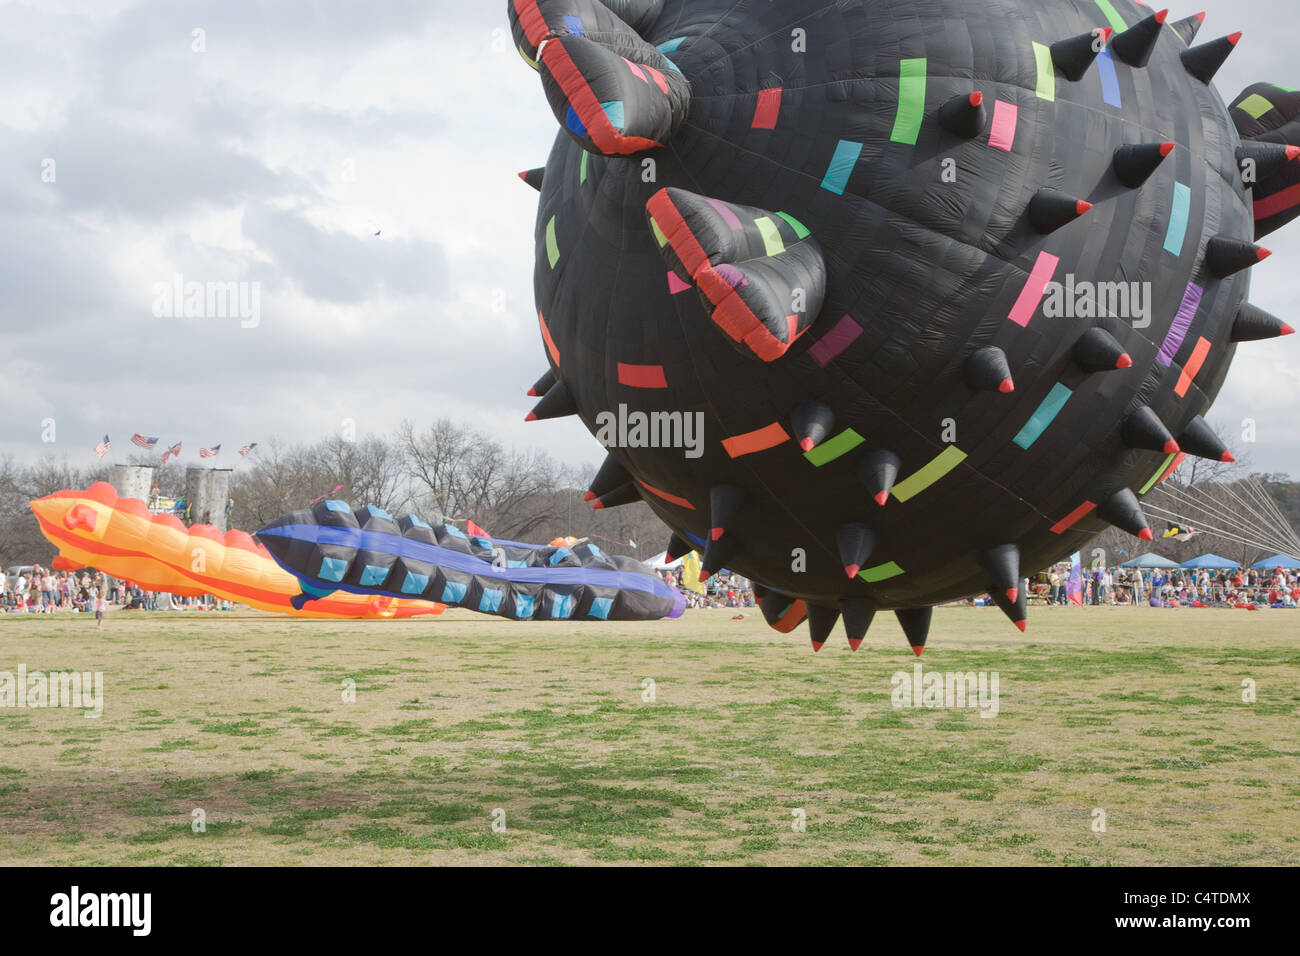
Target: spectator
101, 603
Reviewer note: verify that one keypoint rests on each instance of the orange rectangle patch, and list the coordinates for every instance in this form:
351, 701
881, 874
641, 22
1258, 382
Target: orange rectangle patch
1194, 364
761, 439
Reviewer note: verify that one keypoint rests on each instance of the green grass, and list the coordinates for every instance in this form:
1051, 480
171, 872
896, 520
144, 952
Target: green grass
465, 720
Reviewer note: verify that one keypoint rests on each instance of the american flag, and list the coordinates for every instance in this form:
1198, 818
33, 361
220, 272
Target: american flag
171, 452
146, 443
212, 452
243, 452
102, 448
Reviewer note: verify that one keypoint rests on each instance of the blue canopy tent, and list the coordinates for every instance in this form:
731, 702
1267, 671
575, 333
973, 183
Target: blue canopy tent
1212, 562
1150, 560
1268, 564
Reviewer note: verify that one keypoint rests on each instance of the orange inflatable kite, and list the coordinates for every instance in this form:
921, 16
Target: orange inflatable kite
96, 528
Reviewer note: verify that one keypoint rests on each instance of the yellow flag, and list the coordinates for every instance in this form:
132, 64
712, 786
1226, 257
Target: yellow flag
691, 573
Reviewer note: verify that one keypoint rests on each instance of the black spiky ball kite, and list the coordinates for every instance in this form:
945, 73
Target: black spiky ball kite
949, 284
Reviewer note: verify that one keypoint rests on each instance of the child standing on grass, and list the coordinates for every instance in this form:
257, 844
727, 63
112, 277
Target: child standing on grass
100, 594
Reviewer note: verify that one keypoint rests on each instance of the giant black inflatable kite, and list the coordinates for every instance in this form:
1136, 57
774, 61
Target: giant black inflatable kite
893, 255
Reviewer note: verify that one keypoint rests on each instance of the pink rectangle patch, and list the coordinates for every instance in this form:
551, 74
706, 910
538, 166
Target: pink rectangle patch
1032, 293
1003, 134
835, 341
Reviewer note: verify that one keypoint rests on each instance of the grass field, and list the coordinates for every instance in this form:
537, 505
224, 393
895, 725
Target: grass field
1135, 712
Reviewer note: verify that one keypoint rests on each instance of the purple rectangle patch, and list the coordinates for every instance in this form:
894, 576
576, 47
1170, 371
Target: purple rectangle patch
835, 341
1182, 322
727, 215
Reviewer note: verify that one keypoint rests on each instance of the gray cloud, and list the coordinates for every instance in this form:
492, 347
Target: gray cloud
227, 165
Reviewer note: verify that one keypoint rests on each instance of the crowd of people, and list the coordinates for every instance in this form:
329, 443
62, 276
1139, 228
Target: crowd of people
1177, 587
1115, 587
722, 590
44, 591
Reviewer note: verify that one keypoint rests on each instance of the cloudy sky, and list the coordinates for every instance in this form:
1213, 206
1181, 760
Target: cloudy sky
272, 155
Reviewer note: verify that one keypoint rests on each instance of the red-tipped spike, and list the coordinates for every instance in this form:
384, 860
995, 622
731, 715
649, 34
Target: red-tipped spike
1049, 210
918, 649
1106, 32
1292, 152
855, 543
1124, 361
1135, 45
1226, 256
1201, 16
1171, 447
877, 471
705, 575
542, 385
1023, 625
1013, 595
1146, 535
813, 423
817, 647
1074, 55
1135, 162
1287, 330
883, 498
1234, 38
855, 643
1007, 386
598, 505
556, 402
589, 496
1227, 458
988, 368
724, 504
964, 116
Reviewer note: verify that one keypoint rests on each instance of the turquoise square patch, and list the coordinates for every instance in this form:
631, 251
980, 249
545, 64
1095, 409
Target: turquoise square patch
332, 569
415, 583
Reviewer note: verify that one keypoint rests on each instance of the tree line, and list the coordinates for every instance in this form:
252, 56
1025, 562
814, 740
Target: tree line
444, 469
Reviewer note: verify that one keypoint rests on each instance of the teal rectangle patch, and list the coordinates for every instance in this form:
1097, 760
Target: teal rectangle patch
841, 167
1178, 217
1046, 413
